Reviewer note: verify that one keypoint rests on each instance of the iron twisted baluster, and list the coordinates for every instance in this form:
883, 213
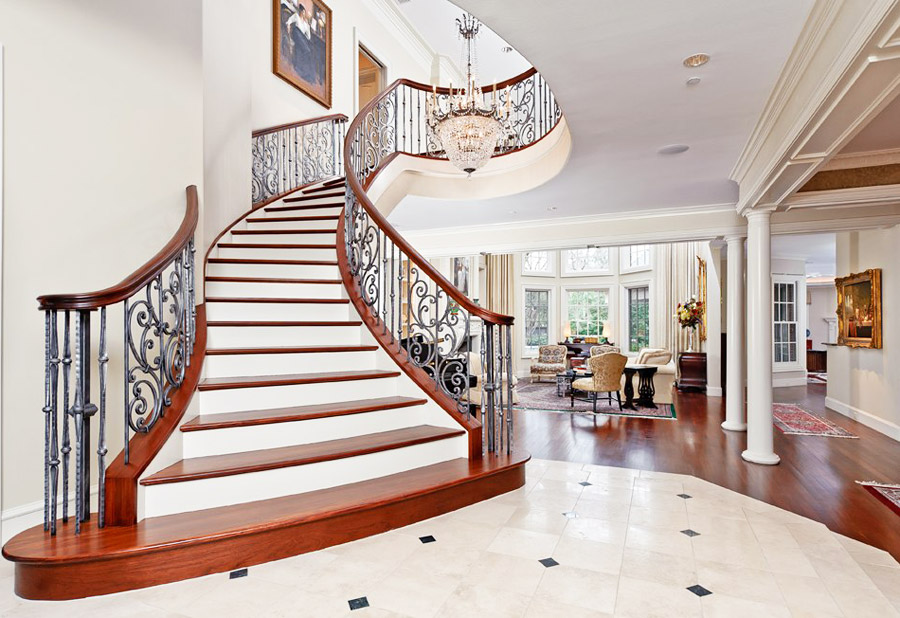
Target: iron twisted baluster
66, 446
103, 360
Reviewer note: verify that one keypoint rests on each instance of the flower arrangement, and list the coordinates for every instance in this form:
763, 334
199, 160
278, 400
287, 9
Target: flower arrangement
689, 314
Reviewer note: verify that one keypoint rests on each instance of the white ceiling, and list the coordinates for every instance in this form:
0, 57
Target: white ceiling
436, 22
817, 250
882, 133
616, 70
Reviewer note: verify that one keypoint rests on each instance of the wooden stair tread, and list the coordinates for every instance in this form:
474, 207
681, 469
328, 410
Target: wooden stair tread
297, 218
313, 196
216, 466
182, 530
274, 280
261, 245
306, 349
264, 261
306, 207
298, 413
254, 299
276, 232
212, 384
281, 323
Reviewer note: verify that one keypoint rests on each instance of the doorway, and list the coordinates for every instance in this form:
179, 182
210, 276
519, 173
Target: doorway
370, 77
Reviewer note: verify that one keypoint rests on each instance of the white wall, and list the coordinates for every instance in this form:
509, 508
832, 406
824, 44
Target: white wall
823, 303
103, 104
863, 383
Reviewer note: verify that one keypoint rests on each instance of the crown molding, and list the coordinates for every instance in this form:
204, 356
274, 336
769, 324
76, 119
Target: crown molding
870, 158
390, 15
856, 196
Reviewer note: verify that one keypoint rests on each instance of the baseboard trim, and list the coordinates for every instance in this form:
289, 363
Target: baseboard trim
780, 382
18, 518
868, 419
714, 391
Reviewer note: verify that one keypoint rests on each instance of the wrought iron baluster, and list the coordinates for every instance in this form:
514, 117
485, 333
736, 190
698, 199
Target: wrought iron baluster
500, 394
393, 294
102, 360
509, 389
384, 279
66, 446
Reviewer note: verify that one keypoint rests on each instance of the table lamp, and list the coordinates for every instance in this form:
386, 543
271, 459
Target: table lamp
607, 331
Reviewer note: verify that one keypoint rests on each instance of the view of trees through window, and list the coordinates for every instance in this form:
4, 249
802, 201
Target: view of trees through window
537, 317
536, 262
587, 260
638, 318
587, 310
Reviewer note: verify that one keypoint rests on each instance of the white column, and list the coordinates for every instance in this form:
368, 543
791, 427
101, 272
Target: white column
760, 431
734, 387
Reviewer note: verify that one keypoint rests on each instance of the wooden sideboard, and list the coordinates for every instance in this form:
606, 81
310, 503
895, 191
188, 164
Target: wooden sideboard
817, 361
692, 371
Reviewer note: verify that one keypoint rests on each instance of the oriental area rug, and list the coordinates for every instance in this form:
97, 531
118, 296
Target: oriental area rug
794, 420
886, 493
543, 396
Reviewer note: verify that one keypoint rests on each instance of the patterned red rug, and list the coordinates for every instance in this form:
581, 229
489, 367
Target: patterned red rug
543, 396
885, 492
792, 419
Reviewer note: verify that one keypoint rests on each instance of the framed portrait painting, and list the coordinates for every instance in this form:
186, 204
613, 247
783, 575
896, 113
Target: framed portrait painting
859, 309
301, 46
461, 274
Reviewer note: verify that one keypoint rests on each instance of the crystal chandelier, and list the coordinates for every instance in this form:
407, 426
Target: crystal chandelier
466, 125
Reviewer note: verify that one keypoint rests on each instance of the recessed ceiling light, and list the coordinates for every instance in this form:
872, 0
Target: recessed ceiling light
551, 208
506, 49
513, 212
695, 60
693, 81
672, 149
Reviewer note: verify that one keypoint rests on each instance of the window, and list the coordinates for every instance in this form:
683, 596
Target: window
586, 311
587, 261
538, 263
638, 318
635, 257
537, 317
785, 323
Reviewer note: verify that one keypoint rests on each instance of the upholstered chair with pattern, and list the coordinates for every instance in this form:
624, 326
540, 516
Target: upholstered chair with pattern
607, 370
550, 362
605, 348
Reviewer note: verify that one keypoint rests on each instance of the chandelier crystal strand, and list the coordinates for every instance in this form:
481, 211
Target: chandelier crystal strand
468, 125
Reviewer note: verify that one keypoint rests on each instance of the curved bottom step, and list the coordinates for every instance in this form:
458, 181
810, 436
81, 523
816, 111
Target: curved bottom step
165, 549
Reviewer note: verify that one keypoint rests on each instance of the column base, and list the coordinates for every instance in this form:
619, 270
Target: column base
765, 459
732, 426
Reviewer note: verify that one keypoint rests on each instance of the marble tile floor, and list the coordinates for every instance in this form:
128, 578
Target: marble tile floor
578, 540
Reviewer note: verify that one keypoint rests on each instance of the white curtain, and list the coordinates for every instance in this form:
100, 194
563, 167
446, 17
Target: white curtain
499, 288
676, 268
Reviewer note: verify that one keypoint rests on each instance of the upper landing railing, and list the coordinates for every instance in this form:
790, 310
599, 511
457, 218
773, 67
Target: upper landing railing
463, 351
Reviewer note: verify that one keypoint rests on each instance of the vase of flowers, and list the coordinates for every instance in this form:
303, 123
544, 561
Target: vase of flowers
689, 314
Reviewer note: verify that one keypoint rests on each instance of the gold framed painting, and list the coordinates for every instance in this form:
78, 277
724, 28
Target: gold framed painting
701, 294
301, 46
859, 309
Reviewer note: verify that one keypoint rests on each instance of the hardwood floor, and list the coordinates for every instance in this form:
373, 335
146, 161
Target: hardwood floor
815, 477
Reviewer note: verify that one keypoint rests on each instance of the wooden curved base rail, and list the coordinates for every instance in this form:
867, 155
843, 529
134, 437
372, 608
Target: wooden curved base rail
160, 550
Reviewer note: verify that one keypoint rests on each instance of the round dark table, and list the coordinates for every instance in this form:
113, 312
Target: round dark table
645, 386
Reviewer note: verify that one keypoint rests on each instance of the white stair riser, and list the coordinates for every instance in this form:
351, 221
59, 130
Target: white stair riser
263, 397
252, 253
186, 496
306, 212
327, 224
252, 289
325, 237
264, 336
275, 435
289, 271
218, 366
251, 312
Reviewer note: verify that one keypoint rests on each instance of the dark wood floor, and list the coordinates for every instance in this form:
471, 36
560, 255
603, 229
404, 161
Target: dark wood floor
815, 477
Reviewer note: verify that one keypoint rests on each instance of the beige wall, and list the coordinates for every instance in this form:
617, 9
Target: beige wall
862, 383
823, 303
103, 107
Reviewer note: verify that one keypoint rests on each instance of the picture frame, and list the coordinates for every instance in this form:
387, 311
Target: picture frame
701, 294
302, 46
859, 310
460, 274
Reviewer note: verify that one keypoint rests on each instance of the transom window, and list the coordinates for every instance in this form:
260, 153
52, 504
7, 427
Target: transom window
638, 318
586, 310
537, 317
537, 263
589, 260
785, 323
636, 257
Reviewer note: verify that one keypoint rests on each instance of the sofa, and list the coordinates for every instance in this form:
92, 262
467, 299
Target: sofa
663, 379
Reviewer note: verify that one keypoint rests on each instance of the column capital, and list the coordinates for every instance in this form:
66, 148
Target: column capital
759, 212
733, 238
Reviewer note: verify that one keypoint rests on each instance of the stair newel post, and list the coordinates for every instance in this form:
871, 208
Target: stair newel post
102, 361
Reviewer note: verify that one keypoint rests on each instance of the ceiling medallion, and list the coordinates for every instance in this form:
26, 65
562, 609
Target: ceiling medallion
468, 124
696, 60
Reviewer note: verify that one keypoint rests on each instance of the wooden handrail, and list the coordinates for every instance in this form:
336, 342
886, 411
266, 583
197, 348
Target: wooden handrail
299, 123
139, 278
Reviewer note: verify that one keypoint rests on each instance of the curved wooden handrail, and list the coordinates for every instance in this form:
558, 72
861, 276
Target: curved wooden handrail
299, 123
442, 90
140, 277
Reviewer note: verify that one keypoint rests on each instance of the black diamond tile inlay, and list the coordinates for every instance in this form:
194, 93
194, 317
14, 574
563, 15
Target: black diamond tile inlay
549, 562
427, 539
685, 496
570, 514
238, 573
585, 484
359, 603
690, 532
699, 590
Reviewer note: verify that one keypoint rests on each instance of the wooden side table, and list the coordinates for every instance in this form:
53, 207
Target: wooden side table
646, 389
692, 371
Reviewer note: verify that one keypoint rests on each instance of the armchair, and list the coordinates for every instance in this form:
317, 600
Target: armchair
607, 370
550, 362
604, 348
